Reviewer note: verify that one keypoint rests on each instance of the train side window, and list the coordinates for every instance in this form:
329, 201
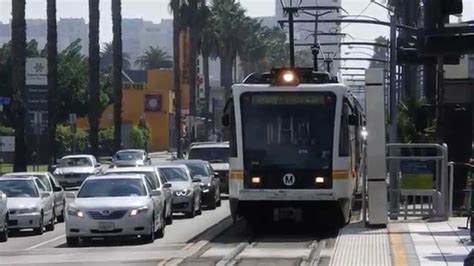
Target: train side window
344, 131
229, 122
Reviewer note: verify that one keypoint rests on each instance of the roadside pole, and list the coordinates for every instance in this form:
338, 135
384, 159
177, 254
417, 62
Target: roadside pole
393, 135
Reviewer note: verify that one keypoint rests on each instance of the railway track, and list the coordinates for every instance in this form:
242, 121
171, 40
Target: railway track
240, 245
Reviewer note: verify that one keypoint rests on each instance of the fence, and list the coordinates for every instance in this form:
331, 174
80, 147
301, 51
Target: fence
423, 184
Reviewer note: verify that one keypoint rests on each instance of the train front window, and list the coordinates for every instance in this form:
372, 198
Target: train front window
288, 129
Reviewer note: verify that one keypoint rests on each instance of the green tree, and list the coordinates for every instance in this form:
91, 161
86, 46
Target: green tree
154, 57
52, 48
117, 71
18, 82
106, 58
380, 53
94, 75
140, 135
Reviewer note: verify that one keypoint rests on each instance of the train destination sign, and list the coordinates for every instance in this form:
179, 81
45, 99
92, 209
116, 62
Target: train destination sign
288, 99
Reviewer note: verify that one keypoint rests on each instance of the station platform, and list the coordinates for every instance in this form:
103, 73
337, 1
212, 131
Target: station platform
408, 242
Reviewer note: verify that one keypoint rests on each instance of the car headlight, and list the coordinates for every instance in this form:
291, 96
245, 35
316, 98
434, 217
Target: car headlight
75, 212
182, 193
138, 211
28, 210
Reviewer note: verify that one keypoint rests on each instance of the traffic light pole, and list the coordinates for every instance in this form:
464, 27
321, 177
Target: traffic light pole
393, 135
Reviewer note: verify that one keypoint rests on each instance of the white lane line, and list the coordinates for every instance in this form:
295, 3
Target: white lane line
45, 242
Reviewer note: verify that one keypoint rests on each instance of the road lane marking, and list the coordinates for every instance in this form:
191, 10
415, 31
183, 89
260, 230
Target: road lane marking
46, 242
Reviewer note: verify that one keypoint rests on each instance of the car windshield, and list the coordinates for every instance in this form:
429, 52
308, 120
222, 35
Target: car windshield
129, 155
123, 187
212, 155
19, 188
44, 179
150, 175
198, 169
76, 162
174, 174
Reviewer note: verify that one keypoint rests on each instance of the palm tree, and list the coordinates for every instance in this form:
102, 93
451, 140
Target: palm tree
176, 7
106, 58
194, 29
52, 47
154, 57
18, 81
230, 23
94, 75
117, 71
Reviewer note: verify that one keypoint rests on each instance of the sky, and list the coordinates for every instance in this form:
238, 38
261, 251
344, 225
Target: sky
155, 10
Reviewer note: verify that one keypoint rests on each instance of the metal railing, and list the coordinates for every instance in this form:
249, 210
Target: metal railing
434, 198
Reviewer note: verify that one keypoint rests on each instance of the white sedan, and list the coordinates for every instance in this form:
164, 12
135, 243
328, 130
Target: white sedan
30, 205
115, 205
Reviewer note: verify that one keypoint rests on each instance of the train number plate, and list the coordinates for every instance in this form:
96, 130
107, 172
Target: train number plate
106, 226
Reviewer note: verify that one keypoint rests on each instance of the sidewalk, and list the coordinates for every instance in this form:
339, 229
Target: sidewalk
411, 242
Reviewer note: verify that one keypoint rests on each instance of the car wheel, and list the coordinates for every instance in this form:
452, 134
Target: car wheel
60, 218
150, 238
40, 229
4, 234
50, 226
72, 241
192, 211
160, 233
199, 210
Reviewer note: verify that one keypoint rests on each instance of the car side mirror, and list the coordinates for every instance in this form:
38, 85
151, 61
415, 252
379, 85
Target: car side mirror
216, 174
97, 165
70, 195
226, 120
353, 120
44, 194
3, 196
197, 180
58, 189
167, 185
155, 193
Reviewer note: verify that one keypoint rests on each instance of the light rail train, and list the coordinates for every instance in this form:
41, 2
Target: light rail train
295, 147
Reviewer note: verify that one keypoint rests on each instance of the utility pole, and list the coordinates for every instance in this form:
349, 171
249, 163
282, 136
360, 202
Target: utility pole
393, 107
315, 48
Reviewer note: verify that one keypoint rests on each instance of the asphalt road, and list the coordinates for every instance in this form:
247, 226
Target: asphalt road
179, 241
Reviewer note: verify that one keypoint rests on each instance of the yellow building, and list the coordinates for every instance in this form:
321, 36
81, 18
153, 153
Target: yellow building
153, 100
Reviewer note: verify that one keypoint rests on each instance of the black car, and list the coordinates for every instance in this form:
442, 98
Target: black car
210, 182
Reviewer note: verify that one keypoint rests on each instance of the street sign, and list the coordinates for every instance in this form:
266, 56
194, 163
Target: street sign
36, 71
5, 100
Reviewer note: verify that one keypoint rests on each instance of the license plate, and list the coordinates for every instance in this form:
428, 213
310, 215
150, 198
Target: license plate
106, 226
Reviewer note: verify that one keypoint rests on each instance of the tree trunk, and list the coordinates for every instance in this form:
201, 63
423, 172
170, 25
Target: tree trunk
226, 75
94, 65
177, 80
52, 80
18, 82
207, 90
117, 71
192, 70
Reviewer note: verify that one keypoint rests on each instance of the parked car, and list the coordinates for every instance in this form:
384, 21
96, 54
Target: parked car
115, 205
72, 170
186, 190
157, 182
210, 182
30, 205
130, 158
52, 186
3, 217
216, 153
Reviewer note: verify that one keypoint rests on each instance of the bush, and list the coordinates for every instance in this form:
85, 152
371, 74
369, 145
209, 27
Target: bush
67, 143
106, 141
140, 135
6, 131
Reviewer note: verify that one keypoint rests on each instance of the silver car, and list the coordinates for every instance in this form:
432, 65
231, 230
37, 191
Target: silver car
3, 217
30, 205
186, 190
52, 186
72, 170
115, 205
130, 158
157, 182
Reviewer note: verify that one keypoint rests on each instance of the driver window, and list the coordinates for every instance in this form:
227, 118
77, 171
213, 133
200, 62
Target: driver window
148, 185
40, 185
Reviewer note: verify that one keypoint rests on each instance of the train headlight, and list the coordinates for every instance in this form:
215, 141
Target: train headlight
288, 76
319, 180
285, 77
256, 180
